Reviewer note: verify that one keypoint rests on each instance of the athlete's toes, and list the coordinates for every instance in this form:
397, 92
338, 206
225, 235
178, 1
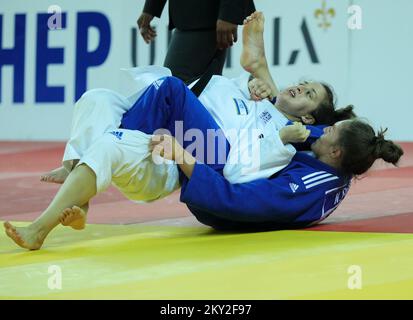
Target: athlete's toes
76, 209
8, 226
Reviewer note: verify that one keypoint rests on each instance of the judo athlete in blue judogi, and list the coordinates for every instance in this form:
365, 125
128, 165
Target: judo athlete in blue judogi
305, 192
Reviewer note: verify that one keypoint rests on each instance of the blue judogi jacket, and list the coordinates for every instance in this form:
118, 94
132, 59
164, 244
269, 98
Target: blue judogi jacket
303, 193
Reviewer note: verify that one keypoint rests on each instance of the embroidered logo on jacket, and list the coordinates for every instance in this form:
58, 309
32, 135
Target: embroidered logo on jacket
117, 134
294, 187
158, 83
265, 116
242, 108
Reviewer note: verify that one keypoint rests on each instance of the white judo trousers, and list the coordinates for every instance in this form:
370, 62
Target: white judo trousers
119, 156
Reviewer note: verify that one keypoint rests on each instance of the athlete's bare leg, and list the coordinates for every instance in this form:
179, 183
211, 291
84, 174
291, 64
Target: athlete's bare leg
77, 190
58, 175
253, 57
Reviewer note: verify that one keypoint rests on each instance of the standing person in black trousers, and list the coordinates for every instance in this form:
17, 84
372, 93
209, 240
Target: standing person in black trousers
201, 28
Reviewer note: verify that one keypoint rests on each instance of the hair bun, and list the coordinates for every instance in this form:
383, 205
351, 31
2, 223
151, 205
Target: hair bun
385, 149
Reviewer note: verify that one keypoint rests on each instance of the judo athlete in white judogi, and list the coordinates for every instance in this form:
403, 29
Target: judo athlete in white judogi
122, 157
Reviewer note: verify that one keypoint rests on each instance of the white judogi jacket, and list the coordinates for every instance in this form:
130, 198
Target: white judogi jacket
251, 127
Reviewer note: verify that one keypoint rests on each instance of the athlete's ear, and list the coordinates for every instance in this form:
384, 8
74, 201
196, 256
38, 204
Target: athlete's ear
335, 152
308, 119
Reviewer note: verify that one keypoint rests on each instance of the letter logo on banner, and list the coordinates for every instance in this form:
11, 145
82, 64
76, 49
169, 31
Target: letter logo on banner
84, 58
15, 56
46, 56
294, 54
152, 53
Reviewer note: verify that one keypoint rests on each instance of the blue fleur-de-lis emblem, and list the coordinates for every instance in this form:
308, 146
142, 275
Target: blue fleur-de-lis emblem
323, 15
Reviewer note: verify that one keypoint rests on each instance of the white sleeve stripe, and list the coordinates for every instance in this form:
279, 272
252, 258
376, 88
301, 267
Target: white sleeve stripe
318, 178
320, 182
312, 175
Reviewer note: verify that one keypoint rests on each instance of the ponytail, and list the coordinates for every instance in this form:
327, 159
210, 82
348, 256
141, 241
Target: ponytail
361, 147
326, 113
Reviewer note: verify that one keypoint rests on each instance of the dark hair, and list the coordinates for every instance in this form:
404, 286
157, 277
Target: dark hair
327, 114
361, 147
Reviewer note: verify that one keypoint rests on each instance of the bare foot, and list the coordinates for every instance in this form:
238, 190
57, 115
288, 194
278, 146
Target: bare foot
24, 236
253, 54
58, 175
74, 217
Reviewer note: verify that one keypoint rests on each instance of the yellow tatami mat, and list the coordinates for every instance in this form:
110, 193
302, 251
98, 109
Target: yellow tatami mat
162, 262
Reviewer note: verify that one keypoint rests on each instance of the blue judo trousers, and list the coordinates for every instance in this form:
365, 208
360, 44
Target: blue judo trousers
165, 103
168, 106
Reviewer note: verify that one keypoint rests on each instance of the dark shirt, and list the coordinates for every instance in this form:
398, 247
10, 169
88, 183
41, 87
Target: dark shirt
201, 14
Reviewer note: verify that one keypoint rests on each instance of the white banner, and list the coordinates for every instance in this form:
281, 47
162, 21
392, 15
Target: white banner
47, 60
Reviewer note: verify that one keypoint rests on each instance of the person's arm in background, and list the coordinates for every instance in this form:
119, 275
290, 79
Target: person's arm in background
231, 14
152, 8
